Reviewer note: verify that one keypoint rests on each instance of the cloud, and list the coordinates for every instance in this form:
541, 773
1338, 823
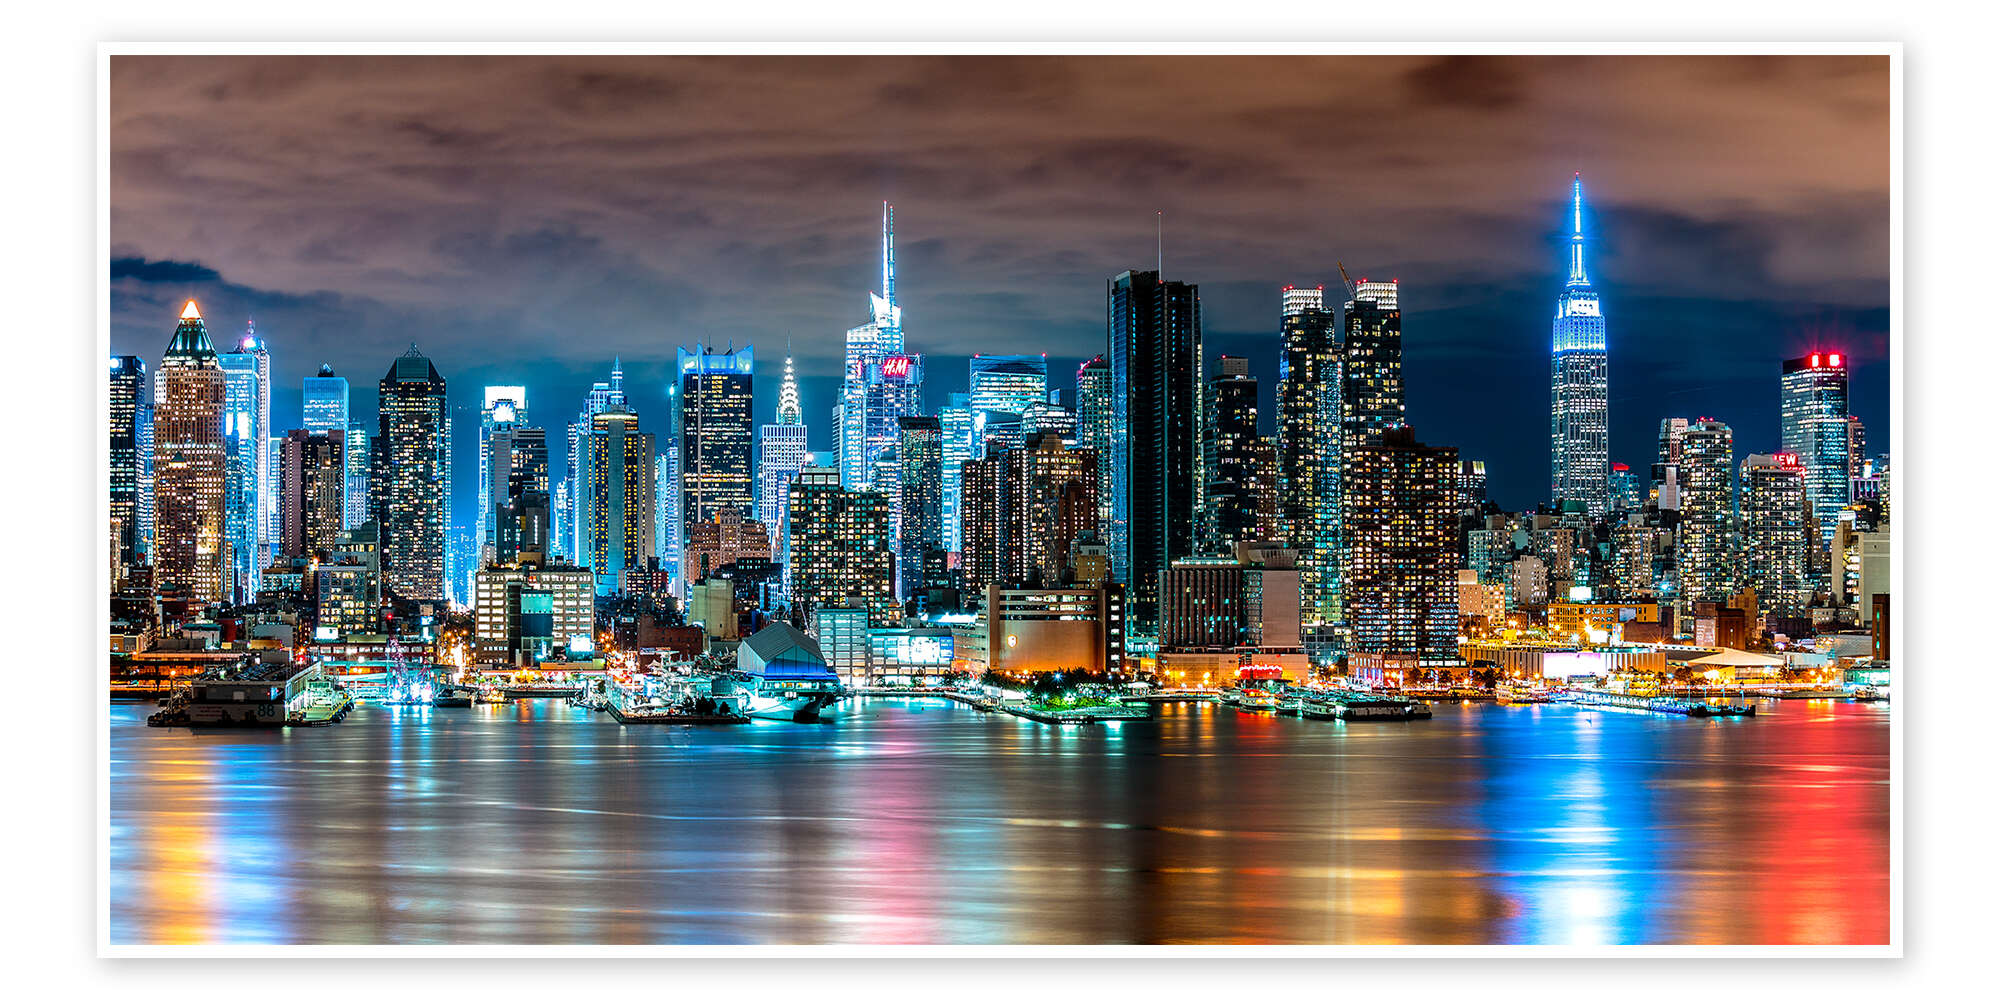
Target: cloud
174, 271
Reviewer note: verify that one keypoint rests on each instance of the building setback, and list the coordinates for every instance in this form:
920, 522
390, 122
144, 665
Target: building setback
1579, 428
190, 530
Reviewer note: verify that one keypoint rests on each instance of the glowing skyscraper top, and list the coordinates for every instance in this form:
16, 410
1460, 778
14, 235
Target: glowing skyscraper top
1579, 422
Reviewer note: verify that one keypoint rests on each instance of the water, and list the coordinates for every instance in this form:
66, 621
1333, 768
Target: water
915, 822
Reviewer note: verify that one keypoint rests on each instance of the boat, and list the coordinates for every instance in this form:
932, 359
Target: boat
1511, 692
452, 696
489, 695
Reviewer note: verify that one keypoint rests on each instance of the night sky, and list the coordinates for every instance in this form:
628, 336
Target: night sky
524, 219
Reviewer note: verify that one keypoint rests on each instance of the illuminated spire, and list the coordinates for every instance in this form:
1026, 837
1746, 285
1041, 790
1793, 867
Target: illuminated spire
1576, 273
190, 336
788, 396
889, 253
190, 312
617, 374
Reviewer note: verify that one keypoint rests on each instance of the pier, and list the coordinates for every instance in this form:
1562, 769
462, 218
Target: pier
1664, 706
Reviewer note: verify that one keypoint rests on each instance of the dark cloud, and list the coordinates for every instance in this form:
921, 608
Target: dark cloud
524, 219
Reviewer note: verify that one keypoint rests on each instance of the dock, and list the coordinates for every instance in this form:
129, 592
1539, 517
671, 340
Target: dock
672, 718
1664, 706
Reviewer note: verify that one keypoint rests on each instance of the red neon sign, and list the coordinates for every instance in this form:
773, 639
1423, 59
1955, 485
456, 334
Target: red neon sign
896, 366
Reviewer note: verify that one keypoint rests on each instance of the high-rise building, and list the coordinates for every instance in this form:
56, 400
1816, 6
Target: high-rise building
1812, 416
409, 478
1704, 551
1094, 426
1153, 333
1008, 383
131, 459
1625, 491
1371, 403
881, 383
1049, 416
920, 558
312, 484
782, 448
325, 403
1309, 451
358, 449
1294, 301
1401, 585
1049, 498
522, 506
621, 503
1471, 488
1579, 428
841, 550
1239, 490
191, 543
577, 540
982, 513
503, 408
716, 434
955, 424
251, 487
1777, 537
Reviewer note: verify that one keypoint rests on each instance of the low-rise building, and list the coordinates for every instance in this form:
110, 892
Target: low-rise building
522, 613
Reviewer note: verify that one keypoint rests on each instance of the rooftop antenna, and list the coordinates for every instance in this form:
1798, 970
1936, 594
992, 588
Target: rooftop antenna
1160, 242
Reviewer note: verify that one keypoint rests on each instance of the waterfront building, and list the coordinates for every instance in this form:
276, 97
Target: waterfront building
1309, 450
1401, 588
1778, 534
1048, 499
1154, 345
1704, 549
842, 634
312, 482
880, 382
1035, 630
410, 477
131, 453
251, 486
1813, 423
521, 614
1579, 428
781, 454
504, 408
1625, 494
840, 547
621, 504
1240, 489
1007, 383
920, 557
955, 425
191, 542
347, 587
716, 433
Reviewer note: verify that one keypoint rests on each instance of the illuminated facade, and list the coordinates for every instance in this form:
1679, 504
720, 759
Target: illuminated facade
1705, 550
1007, 383
251, 484
410, 477
502, 408
982, 512
528, 611
842, 553
1579, 427
1094, 426
881, 383
1153, 330
131, 452
920, 553
1309, 435
522, 510
621, 503
955, 424
312, 485
721, 541
577, 542
716, 434
781, 454
1401, 587
1777, 534
1239, 496
1048, 499
1625, 491
190, 538
1814, 425
1055, 630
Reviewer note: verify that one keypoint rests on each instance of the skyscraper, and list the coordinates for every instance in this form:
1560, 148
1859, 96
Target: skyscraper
1625, 494
841, 550
982, 512
577, 540
503, 407
1401, 584
1777, 536
1812, 414
251, 488
1007, 383
781, 454
1153, 333
716, 433
358, 448
1371, 403
880, 382
312, 487
524, 511
1239, 489
621, 502
191, 543
955, 423
1704, 552
1049, 498
1579, 429
131, 443
410, 475
1309, 435
1094, 427
920, 559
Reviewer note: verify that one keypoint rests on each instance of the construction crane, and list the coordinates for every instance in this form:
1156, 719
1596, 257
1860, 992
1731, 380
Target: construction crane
1344, 279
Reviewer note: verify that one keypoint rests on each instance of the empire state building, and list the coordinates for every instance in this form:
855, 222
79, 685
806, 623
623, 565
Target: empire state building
1579, 428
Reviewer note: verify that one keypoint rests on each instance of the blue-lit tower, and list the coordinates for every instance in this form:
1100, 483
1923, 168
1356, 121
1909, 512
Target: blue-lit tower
246, 439
880, 383
1579, 425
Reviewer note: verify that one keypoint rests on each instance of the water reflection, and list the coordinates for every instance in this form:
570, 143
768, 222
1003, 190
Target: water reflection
913, 822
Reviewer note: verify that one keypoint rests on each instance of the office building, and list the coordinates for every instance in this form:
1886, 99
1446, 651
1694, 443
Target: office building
1401, 587
1035, 630
1007, 383
881, 383
781, 453
1049, 498
1240, 494
920, 556
1579, 428
1814, 425
523, 614
620, 503
502, 408
1778, 537
955, 426
1705, 549
410, 476
312, 485
191, 542
1094, 425
716, 434
1154, 345
251, 487
131, 453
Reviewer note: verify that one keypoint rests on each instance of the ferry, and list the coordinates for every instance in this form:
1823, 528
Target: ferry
1520, 693
1251, 699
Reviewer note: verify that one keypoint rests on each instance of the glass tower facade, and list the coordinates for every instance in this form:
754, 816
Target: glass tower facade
1154, 346
1814, 425
1579, 428
1008, 383
502, 408
955, 424
1094, 426
325, 402
410, 476
251, 489
920, 560
131, 455
1309, 435
716, 433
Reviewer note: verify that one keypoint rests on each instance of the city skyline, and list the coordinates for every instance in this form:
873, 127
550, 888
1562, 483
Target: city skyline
1714, 274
